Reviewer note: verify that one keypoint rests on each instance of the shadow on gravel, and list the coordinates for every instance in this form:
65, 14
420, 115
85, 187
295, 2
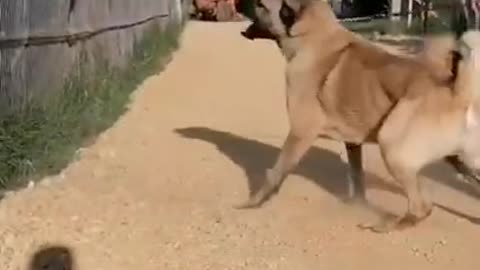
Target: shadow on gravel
52, 258
322, 166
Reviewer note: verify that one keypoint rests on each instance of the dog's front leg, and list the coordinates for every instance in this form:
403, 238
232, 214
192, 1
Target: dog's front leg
294, 148
356, 187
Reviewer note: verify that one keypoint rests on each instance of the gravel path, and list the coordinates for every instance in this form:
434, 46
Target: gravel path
156, 190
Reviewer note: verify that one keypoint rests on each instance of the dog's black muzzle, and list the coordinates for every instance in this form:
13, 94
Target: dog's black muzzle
255, 31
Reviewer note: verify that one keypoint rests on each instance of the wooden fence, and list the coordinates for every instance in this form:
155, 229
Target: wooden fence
41, 41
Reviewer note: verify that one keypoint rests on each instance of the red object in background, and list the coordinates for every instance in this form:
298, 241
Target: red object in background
216, 10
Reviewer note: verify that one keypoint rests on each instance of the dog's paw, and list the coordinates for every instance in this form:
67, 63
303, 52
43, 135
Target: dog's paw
259, 198
390, 223
256, 200
384, 226
356, 199
249, 204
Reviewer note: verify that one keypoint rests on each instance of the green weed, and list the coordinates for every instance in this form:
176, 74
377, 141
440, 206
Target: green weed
43, 139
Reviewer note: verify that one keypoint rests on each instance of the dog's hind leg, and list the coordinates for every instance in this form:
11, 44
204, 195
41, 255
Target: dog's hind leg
408, 142
355, 181
405, 169
294, 148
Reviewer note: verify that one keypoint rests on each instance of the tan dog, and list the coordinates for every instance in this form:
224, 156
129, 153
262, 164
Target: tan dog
340, 86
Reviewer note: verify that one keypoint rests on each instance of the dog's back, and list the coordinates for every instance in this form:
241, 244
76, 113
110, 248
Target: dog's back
359, 82
366, 81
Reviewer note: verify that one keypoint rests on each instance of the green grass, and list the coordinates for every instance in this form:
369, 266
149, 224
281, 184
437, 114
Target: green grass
43, 139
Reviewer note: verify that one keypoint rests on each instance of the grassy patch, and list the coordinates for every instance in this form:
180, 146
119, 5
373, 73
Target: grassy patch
44, 138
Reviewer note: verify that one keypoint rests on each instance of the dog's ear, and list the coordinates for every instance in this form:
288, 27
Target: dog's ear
287, 15
290, 12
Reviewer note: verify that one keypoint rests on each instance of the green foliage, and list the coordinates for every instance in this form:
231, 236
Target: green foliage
43, 139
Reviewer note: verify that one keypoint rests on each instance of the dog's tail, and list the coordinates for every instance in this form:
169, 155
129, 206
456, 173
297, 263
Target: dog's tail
437, 55
438, 48
467, 81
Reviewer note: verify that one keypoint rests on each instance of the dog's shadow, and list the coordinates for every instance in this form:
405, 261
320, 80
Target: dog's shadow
254, 157
322, 166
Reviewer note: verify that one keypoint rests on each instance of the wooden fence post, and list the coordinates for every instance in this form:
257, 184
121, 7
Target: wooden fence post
426, 9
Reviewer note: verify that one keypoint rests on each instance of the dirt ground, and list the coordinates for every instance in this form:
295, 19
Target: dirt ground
156, 190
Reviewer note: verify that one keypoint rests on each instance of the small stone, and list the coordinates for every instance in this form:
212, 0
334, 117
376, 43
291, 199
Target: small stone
272, 265
96, 229
78, 153
459, 220
98, 173
428, 257
462, 178
176, 245
31, 185
9, 193
8, 240
46, 182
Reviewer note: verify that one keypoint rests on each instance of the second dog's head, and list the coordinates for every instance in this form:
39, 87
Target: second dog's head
272, 19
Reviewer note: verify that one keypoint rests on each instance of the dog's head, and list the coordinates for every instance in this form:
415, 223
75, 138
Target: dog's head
272, 19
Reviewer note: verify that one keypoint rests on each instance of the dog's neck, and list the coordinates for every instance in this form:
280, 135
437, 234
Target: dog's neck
316, 12
307, 30
289, 47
